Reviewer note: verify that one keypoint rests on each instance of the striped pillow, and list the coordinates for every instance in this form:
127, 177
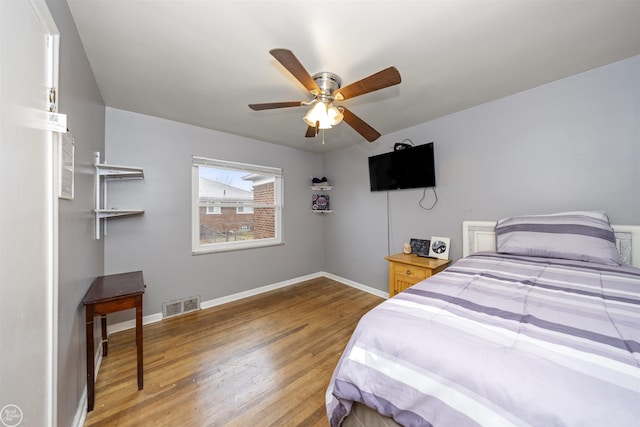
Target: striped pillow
582, 236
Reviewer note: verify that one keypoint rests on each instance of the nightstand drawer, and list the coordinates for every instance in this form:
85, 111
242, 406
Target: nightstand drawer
414, 272
406, 270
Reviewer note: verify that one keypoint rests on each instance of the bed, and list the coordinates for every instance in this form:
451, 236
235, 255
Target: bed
537, 325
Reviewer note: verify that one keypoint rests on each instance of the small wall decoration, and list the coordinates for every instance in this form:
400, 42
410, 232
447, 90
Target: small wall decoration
66, 166
320, 202
439, 247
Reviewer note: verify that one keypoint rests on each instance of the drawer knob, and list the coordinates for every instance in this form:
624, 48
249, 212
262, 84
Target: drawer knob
408, 272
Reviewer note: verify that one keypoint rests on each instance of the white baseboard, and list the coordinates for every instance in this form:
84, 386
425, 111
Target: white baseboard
365, 288
156, 317
81, 413
131, 324
257, 291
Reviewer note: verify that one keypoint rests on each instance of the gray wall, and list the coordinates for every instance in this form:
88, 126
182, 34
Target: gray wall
159, 242
572, 144
81, 257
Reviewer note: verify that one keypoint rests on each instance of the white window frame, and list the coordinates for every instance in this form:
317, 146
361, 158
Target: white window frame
197, 247
213, 210
244, 210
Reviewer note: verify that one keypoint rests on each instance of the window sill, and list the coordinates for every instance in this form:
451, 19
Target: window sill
231, 247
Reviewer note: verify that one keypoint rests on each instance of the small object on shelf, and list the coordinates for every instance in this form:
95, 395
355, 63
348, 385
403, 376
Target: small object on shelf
320, 182
439, 247
320, 202
420, 247
406, 248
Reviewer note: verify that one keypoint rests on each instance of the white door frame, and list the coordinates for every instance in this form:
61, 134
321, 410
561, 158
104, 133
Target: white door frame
53, 152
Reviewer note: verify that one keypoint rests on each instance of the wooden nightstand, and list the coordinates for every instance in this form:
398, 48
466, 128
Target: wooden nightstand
407, 270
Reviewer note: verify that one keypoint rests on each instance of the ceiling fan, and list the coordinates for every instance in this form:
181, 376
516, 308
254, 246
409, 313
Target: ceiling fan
326, 88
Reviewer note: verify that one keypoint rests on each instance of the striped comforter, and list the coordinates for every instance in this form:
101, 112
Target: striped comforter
500, 340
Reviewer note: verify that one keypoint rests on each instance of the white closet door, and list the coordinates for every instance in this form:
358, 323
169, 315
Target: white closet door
28, 215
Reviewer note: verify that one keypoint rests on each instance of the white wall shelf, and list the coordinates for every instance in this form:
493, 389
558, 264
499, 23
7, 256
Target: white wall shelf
321, 187
104, 174
110, 213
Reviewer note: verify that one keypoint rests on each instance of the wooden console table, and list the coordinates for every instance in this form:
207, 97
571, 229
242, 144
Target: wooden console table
109, 294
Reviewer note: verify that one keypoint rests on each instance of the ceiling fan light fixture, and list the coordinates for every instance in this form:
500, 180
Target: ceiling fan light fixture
324, 115
334, 115
326, 88
317, 115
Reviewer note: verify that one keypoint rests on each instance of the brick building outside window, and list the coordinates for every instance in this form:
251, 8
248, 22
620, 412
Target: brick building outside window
230, 217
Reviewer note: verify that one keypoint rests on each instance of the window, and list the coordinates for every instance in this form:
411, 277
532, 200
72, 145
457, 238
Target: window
244, 210
235, 205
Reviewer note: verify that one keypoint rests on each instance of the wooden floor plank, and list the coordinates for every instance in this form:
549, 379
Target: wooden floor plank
261, 361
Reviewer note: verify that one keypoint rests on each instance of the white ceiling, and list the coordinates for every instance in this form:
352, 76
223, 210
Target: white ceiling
202, 62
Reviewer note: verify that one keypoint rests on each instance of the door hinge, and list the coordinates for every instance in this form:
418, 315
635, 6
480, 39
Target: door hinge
53, 103
55, 121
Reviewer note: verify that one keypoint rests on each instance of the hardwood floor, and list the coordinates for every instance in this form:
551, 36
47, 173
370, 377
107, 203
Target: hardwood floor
265, 360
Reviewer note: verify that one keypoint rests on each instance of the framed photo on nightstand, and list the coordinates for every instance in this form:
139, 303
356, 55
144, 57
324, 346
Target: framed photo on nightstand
419, 247
439, 247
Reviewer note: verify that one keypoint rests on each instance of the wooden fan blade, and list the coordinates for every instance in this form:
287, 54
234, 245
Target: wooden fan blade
291, 63
385, 78
360, 126
272, 105
312, 132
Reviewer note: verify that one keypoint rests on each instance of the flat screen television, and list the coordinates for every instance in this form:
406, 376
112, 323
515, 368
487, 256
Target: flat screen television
408, 168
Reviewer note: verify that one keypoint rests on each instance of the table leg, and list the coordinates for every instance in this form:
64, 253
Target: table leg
90, 357
105, 338
139, 339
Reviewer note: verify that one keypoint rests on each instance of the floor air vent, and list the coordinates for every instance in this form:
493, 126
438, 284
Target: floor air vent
177, 307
